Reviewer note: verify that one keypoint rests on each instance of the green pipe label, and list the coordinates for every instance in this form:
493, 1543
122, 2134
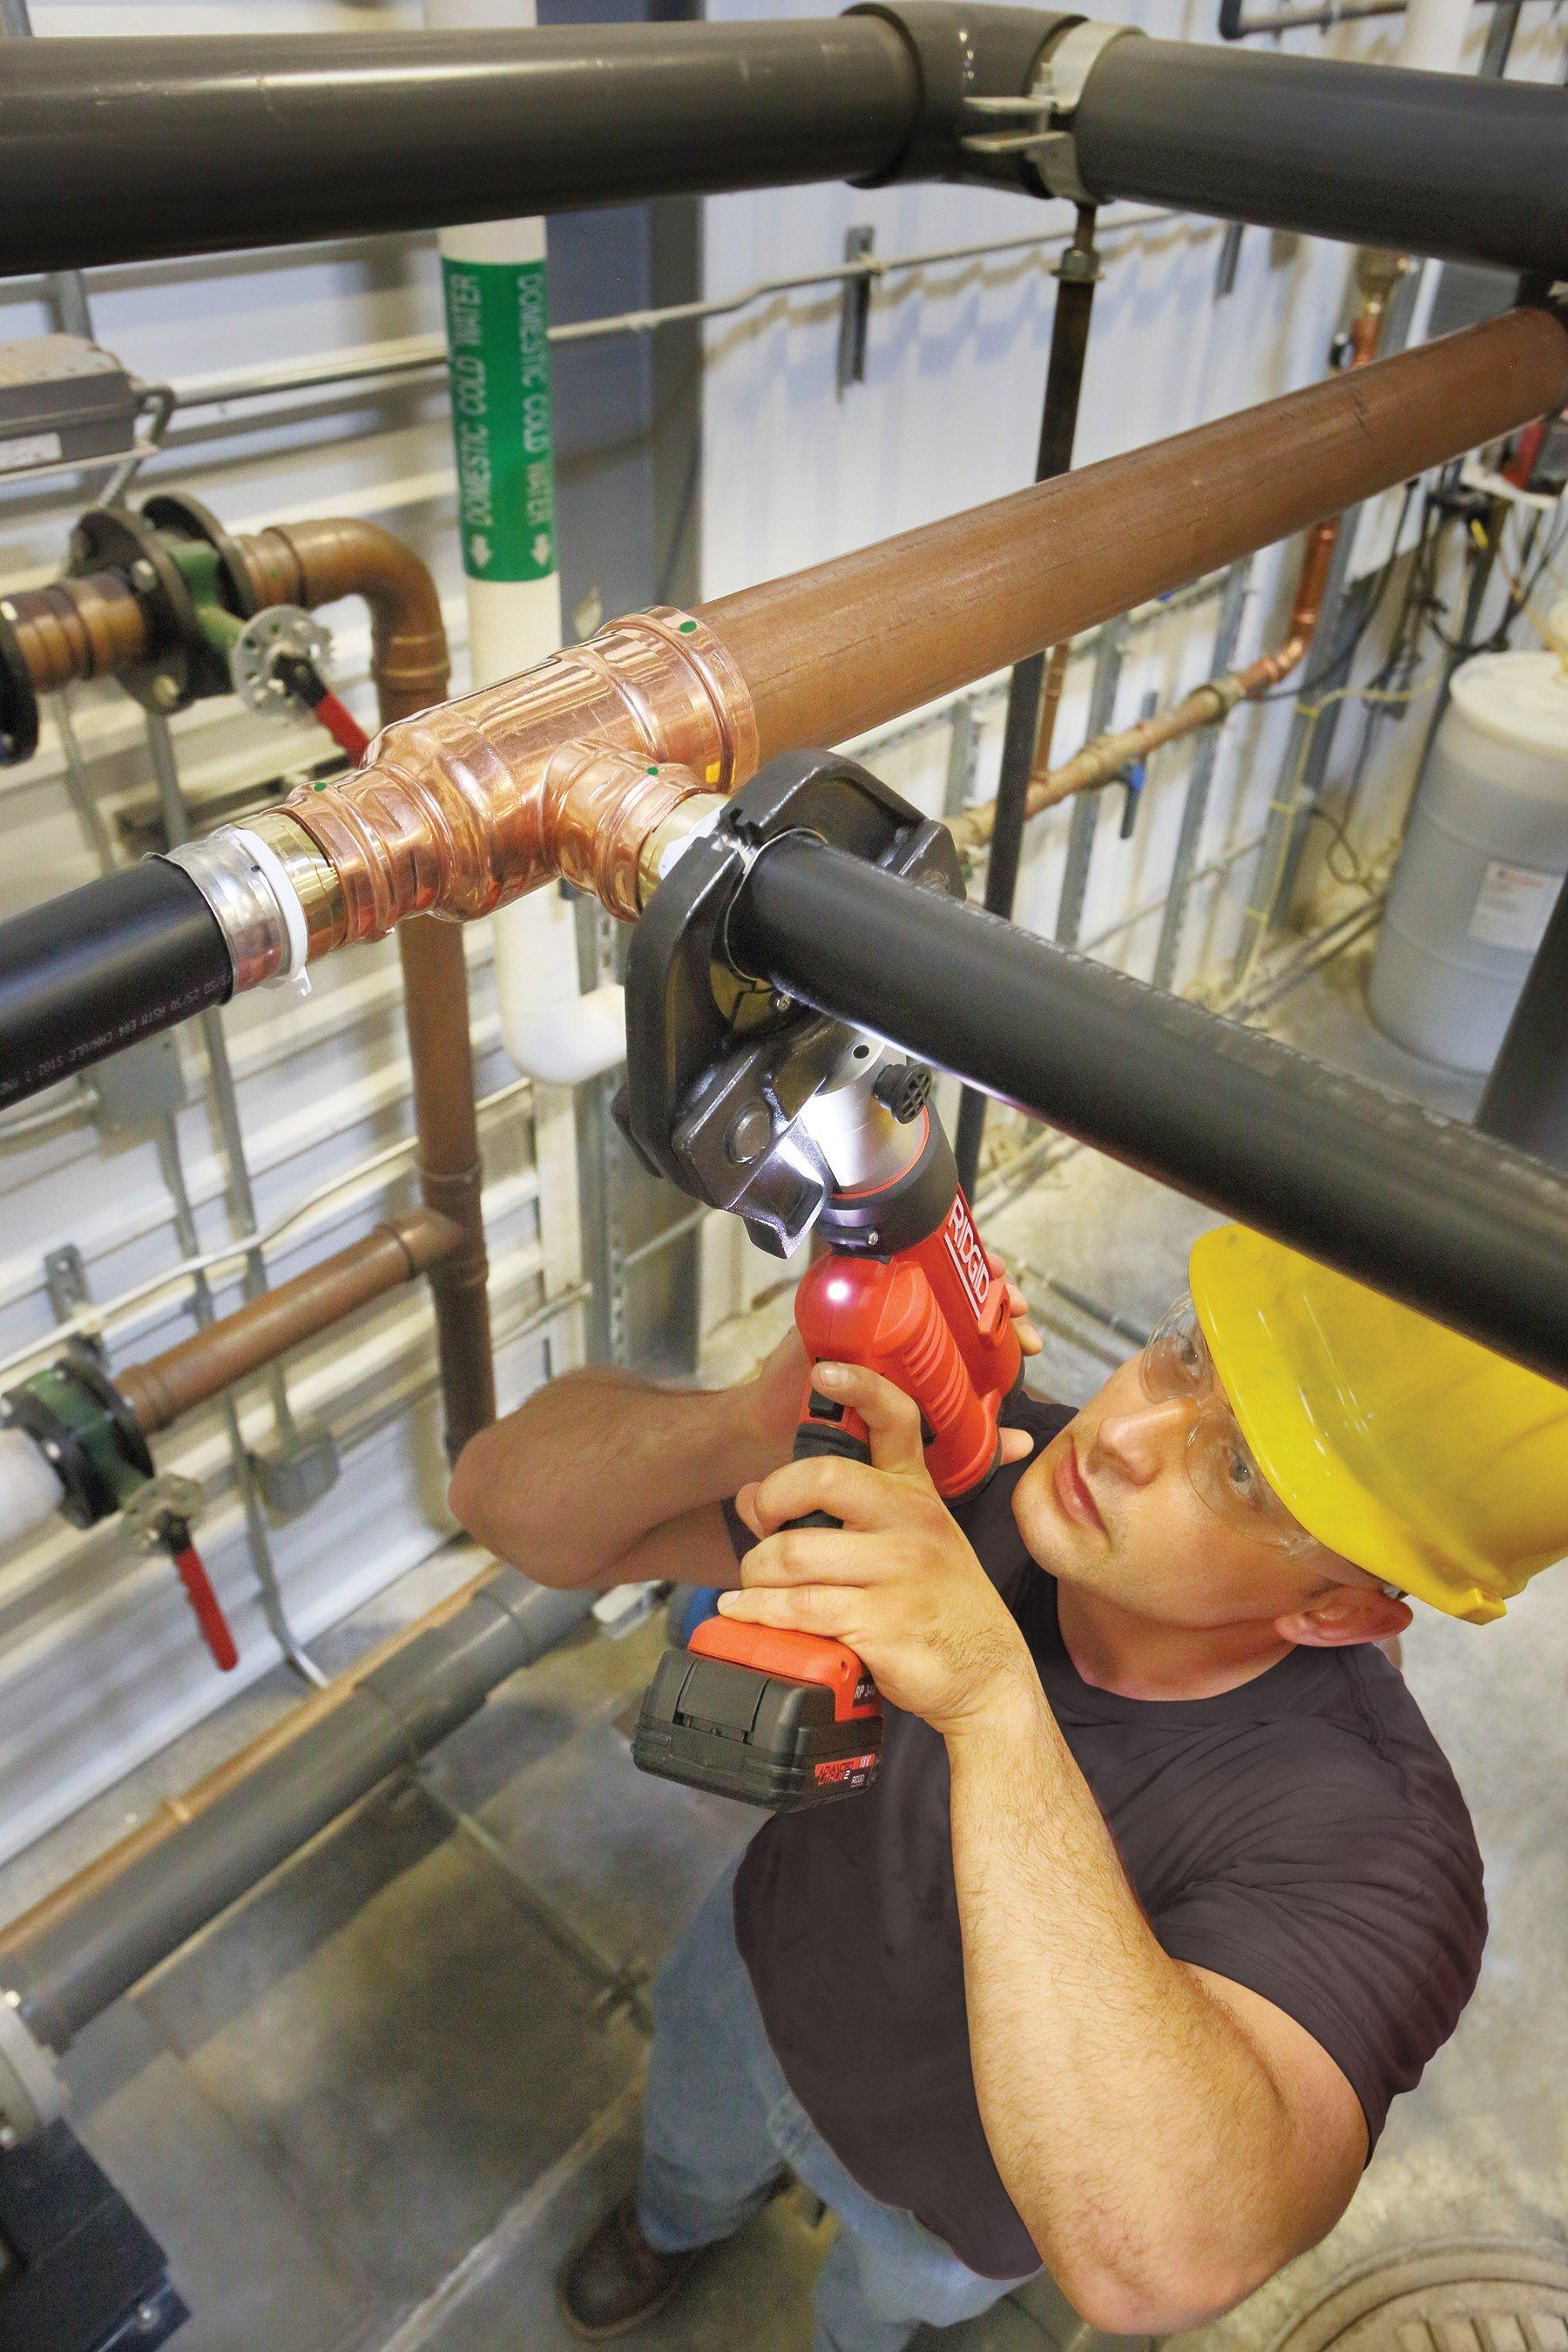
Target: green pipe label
501, 420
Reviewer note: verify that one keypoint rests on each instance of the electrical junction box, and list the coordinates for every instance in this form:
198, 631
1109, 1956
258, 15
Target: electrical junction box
61, 399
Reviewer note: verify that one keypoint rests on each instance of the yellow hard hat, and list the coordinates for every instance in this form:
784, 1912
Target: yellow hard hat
1422, 1456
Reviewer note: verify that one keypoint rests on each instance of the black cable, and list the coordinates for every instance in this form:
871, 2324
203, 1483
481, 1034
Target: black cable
1346, 652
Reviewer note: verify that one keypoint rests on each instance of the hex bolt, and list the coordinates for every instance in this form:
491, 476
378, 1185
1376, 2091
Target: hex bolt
748, 1134
143, 575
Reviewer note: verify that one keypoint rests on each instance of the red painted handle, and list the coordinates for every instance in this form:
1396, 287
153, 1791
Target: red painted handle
206, 1606
341, 726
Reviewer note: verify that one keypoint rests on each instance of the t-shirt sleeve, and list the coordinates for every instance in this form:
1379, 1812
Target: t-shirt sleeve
1364, 1923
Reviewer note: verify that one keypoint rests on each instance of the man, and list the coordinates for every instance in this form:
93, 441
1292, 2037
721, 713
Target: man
1165, 1889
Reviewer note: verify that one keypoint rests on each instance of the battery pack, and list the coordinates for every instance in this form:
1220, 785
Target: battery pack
762, 1737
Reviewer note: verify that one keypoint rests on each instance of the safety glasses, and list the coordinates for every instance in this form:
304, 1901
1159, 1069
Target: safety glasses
1175, 1364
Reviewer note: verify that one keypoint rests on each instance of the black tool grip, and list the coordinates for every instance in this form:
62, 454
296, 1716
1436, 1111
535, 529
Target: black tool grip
85, 975
812, 1440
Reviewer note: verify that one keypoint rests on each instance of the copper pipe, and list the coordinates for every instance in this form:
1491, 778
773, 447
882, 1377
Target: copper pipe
94, 625
316, 563
847, 645
159, 1391
1105, 756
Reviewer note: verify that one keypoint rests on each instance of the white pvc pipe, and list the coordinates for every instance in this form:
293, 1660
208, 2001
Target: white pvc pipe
30, 1489
1433, 36
493, 273
557, 1035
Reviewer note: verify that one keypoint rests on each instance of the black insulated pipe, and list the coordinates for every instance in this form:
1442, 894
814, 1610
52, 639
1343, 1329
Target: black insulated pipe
1423, 163
114, 150
65, 1969
1468, 1231
86, 974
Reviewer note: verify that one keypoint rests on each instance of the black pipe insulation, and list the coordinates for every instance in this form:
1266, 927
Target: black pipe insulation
83, 975
114, 150
124, 150
1468, 1230
82, 1954
1525, 1102
1423, 163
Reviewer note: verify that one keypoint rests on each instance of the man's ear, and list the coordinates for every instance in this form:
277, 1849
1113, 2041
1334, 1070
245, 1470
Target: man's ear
1348, 1614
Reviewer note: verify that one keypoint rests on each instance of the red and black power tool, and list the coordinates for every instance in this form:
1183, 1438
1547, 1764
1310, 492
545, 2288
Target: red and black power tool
849, 1146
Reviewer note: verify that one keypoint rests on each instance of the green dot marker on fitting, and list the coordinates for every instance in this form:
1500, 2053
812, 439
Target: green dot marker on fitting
686, 627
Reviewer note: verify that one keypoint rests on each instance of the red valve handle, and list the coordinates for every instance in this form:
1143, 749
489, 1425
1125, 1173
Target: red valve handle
205, 1607
341, 726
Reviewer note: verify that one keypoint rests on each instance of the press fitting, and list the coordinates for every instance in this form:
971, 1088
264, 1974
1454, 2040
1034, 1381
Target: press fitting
248, 887
564, 772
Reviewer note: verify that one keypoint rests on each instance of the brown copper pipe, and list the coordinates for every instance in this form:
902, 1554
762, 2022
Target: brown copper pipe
159, 1391
1105, 756
849, 643
315, 563
93, 625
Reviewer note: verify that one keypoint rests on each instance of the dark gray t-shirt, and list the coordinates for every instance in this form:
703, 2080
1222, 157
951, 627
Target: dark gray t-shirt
1302, 1835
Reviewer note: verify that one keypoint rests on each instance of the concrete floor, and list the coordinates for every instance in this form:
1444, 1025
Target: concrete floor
375, 2104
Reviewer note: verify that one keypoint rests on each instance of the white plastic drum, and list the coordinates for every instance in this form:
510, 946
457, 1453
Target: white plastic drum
1484, 858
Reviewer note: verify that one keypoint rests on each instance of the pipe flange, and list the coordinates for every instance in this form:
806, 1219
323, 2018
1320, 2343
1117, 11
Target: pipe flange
112, 539
168, 1495
278, 633
172, 513
86, 1433
32, 2095
18, 699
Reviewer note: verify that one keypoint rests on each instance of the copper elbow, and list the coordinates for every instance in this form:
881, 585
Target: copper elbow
318, 562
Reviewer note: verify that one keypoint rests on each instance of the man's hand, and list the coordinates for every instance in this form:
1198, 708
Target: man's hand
897, 1582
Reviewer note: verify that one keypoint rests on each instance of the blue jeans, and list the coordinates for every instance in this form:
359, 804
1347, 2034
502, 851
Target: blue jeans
721, 2125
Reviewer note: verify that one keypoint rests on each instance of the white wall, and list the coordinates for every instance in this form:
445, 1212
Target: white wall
98, 1659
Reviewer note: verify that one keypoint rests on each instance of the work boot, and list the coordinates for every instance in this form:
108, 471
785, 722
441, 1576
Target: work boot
616, 2280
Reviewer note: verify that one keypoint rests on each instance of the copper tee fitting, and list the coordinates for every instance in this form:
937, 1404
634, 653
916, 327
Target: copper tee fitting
565, 770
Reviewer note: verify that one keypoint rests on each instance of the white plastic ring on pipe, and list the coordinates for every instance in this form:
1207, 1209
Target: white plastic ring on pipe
275, 873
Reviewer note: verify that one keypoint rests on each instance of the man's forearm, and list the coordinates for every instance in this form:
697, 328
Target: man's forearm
1132, 2123
571, 1481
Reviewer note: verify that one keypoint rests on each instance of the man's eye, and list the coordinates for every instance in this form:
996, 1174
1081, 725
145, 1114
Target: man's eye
1242, 1476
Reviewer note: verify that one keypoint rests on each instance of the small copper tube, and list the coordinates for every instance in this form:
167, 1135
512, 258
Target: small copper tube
1105, 757
200, 1367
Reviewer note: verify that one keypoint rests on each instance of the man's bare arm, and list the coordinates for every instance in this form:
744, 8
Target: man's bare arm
602, 1478
1169, 2137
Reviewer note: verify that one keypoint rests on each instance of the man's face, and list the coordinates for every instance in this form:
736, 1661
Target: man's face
1111, 1506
